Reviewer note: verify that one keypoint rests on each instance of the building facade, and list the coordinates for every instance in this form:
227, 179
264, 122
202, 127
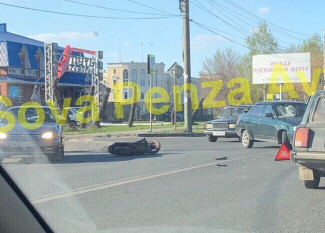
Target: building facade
136, 72
22, 69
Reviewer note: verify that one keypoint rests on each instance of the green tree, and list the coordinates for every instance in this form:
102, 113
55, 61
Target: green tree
260, 42
313, 45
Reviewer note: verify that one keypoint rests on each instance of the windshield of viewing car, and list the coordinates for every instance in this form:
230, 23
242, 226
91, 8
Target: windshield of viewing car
290, 110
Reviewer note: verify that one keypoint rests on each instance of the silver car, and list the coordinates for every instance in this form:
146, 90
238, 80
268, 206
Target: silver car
45, 139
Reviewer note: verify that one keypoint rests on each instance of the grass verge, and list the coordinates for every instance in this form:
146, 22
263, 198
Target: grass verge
161, 128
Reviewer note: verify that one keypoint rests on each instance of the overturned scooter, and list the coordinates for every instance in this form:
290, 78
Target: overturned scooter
142, 147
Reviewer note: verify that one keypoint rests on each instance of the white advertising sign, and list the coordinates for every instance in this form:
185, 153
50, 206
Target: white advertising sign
264, 65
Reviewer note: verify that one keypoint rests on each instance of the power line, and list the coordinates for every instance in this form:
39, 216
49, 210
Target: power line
114, 9
153, 8
250, 13
210, 30
227, 10
81, 15
259, 19
199, 5
236, 27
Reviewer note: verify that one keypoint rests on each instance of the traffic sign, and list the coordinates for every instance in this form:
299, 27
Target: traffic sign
151, 64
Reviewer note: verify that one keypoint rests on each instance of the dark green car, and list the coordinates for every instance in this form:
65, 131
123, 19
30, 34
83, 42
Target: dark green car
273, 121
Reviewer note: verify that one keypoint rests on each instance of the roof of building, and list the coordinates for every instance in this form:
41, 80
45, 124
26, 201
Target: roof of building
8, 36
131, 63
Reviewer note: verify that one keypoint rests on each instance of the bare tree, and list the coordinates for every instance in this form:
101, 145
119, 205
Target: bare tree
222, 66
132, 113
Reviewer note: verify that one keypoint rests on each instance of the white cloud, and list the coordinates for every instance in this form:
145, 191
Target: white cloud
263, 10
204, 42
64, 36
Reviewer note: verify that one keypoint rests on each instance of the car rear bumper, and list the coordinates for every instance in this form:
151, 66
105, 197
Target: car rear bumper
313, 160
222, 133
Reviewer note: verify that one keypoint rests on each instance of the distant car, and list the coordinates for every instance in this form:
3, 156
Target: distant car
309, 142
270, 121
225, 125
180, 117
46, 140
73, 115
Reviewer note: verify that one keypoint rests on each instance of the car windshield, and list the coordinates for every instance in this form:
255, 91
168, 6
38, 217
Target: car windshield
31, 115
167, 115
232, 112
290, 110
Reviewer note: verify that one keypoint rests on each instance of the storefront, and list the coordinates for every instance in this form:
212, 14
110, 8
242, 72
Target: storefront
22, 70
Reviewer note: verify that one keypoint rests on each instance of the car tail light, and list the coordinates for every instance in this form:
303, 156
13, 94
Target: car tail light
302, 137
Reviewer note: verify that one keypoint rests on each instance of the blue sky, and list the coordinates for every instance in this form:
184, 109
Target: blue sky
162, 37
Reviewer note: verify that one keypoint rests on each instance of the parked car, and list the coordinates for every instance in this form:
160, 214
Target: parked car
46, 140
73, 115
180, 117
309, 145
270, 121
225, 125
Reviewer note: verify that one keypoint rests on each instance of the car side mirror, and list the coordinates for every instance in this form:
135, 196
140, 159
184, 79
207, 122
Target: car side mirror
269, 115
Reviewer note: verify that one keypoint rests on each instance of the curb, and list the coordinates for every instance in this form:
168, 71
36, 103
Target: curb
143, 135
171, 135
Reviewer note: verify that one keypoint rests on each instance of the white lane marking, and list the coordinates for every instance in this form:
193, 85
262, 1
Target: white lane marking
93, 188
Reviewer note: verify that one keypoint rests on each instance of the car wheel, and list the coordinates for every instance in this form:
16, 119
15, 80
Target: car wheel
57, 155
312, 184
212, 138
245, 140
285, 139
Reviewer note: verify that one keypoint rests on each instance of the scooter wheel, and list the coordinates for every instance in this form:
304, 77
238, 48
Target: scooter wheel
154, 147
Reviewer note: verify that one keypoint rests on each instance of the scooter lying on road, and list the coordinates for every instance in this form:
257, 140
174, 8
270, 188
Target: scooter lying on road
142, 147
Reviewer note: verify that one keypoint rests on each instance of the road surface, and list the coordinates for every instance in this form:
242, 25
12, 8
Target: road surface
182, 189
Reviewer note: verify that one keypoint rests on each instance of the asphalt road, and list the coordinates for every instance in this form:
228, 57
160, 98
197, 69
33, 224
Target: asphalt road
182, 189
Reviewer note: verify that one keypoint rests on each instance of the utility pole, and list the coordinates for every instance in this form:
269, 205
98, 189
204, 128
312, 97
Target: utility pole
151, 69
150, 109
187, 65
